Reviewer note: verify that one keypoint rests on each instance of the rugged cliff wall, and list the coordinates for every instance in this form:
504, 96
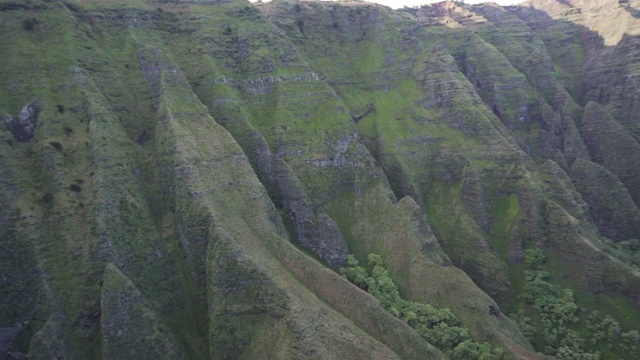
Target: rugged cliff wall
181, 179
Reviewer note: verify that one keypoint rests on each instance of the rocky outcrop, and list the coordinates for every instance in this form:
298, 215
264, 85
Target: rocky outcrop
23, 126
320, 234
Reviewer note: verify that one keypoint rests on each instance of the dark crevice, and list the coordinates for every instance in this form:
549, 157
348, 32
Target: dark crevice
370, 109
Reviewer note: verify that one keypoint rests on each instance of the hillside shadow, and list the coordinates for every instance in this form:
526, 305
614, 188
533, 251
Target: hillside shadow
631, 10
581, 51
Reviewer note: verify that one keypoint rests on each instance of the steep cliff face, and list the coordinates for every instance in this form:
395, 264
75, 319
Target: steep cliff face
183, 179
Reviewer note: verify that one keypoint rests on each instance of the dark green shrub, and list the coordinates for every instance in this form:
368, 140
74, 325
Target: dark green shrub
29, 24
47, 198
56, 145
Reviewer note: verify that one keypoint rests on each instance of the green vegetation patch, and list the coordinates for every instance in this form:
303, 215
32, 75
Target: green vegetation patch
438, 326
561, 329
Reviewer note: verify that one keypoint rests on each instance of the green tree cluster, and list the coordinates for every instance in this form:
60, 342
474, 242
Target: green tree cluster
602, 328
556, 310
439, 327
560, 333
